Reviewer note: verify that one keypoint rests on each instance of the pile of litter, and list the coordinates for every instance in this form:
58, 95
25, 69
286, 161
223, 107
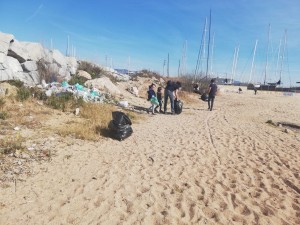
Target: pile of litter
87, 94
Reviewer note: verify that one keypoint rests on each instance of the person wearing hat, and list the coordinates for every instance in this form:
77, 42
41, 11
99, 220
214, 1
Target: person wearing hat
212, 91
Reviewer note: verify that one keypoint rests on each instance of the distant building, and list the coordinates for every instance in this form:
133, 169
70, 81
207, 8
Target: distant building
125, 71
224, 81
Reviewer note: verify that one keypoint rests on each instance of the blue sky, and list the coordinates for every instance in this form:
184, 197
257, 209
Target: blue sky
141, 33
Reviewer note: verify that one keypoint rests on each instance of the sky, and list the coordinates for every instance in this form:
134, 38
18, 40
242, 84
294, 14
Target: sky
147, 34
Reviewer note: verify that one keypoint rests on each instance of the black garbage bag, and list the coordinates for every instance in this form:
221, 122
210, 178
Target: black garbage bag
204, 97
120, 127
121, 118
178, 106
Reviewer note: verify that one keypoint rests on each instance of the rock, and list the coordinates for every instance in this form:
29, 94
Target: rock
134, 90
103, 83
77, 110
5, 40
12, 64
64, 73
17, 51
17, 128
53, 68
29, 66
71, 61
36, 51
2, 57
35, 78
82, 73
123, 104
59, 58
288, 131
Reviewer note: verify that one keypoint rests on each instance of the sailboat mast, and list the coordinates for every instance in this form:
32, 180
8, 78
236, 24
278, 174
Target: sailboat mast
201, 50
207, 61
266, 67
236, 59
254, 51
278, 57
212, 53
282, 56
233, 63
168, 66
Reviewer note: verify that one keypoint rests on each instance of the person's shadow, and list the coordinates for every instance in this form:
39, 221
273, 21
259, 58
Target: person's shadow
140, 108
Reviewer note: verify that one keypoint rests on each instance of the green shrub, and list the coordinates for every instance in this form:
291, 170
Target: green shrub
2, 103
23, 93
94, 70
64, 101
16, 83
38, 93
4, 115
77, 79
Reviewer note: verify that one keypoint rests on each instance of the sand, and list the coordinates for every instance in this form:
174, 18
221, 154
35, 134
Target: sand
227, 166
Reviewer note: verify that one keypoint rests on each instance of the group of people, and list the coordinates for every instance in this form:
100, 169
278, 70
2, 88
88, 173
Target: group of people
171, 92
156, 99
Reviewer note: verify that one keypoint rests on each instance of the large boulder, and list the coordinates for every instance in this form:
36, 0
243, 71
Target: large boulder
64, 73
17, 51
28, 79
59, 58
48, 58
33, 78
6, 74
5, 40
53, 68
71, 62
2, 56
29, 66
72, 65
36, 50
18, 60
82, 73
103, 83
12, 64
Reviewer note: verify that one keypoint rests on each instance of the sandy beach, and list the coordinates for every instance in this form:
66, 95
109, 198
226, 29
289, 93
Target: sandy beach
227, 166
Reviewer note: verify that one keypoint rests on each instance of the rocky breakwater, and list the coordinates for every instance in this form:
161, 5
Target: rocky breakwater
19, 61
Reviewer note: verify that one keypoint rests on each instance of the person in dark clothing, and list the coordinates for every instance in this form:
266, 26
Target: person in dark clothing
255, 90
212, 91
171, 91
159, 98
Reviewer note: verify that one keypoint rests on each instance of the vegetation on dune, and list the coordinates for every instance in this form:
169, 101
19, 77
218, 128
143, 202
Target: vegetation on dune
29, 107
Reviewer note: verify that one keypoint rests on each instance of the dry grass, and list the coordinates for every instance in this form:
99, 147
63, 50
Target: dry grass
28, 113
93, 122
188, 98
94, 119
33, 114
10, 143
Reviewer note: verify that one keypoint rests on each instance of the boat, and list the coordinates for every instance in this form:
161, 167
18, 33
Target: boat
272, 86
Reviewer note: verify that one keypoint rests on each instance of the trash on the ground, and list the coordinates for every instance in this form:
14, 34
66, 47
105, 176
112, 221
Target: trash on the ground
120, 126
123, 104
